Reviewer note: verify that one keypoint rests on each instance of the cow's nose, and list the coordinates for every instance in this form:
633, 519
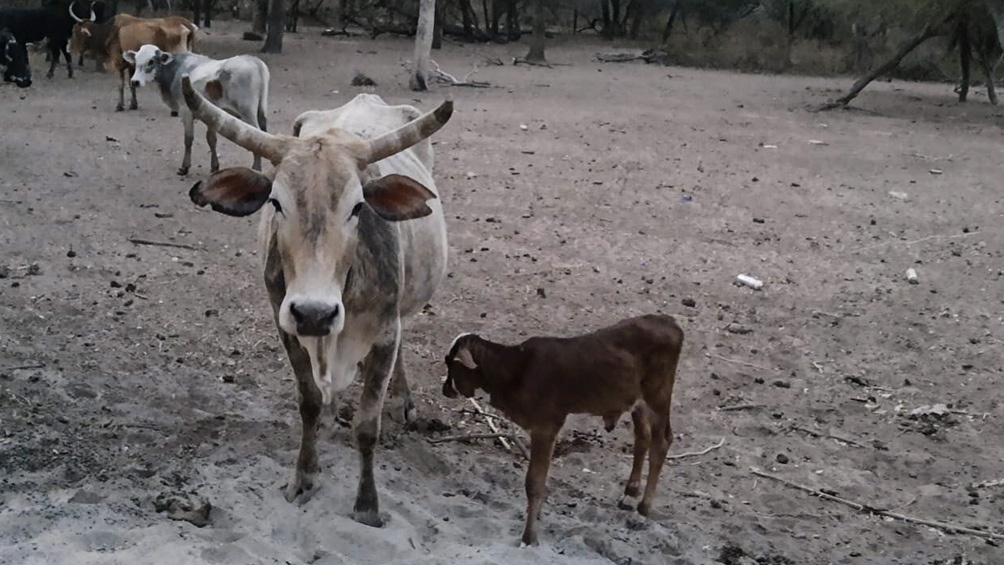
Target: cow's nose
313, 318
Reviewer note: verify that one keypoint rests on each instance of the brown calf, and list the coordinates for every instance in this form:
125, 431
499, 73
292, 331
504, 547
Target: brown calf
173, 34
538, 383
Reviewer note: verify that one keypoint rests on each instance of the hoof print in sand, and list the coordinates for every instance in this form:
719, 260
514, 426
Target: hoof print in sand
184, 506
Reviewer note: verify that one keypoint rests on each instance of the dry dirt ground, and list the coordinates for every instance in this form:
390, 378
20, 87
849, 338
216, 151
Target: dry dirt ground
132, 371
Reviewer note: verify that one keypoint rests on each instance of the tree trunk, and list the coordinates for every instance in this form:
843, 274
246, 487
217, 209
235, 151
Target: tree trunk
488, 19
423, 43
512, 21
640, 12
276, 26
260, 17
437, 26
615, 17
536, 53
928, 32
608, 29
677, 6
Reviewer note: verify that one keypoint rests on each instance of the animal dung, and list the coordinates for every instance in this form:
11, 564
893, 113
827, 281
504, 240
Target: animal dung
755, 284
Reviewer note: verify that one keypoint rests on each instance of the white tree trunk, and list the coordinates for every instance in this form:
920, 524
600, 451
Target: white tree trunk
423, 43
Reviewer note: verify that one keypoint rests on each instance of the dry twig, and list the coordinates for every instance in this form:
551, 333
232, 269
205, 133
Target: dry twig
138, 241
738, 407
464, 437
737, 362
696, 453
944, 526
23, 367
814, 433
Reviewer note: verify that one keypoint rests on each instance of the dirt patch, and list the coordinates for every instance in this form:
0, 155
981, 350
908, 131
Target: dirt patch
575, 197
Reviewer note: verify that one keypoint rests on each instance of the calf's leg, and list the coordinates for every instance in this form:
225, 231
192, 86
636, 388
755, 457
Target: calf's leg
68, 58
54, 53
377, 369
662, 437
642, 440
988, 71
122, 81
304, 479
541, 450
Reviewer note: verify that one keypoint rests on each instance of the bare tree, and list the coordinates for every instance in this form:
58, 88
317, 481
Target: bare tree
276, 26
536, 54
260, 17
423, 44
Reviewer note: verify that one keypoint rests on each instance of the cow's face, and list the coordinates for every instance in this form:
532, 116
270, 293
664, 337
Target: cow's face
82, 36
316, 204
147, 62
14, 57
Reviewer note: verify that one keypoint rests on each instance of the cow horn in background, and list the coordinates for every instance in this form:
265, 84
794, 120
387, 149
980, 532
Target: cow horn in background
267, 145
74, 16
411, 133
94, 16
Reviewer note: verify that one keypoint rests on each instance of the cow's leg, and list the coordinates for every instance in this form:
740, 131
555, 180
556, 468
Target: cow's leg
964, 57
377, 369
401, 388
54, 53
541, 450
122, 82
68, 57
259, 117
214, 160
132, 91
988, 71
304, 480
189, 121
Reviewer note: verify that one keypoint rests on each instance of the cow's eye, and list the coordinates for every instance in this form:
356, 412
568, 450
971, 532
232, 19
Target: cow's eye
356, 209
275, 203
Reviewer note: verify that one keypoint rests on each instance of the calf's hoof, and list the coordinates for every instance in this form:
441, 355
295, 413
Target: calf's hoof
174, 114
370, 518
301, 488
410, 414
119, 108
645, 509
529, 539
133, 106
627, 502
182, 171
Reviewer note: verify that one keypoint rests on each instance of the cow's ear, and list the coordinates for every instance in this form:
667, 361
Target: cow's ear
84, 31
130, 56
166, 58
238, 191
397, 197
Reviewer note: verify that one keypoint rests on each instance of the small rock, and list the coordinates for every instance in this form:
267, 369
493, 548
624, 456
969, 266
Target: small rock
782, 459
189, 507
737, 329
541, 293
362, 80
71, 254
689, 302
782, 384
84, 497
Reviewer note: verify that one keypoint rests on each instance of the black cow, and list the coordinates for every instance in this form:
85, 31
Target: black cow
30, 25
14, 60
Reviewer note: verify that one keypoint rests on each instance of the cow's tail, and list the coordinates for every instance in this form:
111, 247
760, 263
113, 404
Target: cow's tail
263, 97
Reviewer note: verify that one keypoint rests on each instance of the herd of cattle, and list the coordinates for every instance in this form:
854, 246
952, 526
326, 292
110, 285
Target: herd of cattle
353, 238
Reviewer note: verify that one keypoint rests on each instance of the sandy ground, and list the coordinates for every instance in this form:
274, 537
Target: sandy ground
155, 371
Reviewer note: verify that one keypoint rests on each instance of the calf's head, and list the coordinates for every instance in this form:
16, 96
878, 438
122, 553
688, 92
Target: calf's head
14, 57
463, 376
147, 62
316, 201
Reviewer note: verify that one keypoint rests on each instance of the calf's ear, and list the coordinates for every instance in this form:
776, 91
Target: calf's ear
465, 358
238, 191
130, 56
397, 197
166, 58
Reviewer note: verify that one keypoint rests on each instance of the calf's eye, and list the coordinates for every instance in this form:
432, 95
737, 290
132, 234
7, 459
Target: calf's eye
356, 209
275, 203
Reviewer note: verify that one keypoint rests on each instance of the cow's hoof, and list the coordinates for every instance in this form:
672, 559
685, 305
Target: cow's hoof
410, 415
182, 171
627, 502
133, 106
369, 518
301, 489
119, 108
645, 509
174, 114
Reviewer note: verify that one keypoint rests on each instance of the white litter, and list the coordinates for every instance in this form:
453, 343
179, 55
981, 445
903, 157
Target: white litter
911, 275
751, 282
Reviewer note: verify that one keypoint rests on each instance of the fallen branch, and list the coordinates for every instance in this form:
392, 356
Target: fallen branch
138, 241
738, 362
463, 437
522, 61
439, 75
946, 527
738, 407
494, 428
813, 433
24, 367
697, 453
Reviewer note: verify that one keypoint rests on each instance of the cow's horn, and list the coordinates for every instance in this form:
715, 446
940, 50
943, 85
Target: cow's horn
74, 16
94, 16
411, 133
267, 145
